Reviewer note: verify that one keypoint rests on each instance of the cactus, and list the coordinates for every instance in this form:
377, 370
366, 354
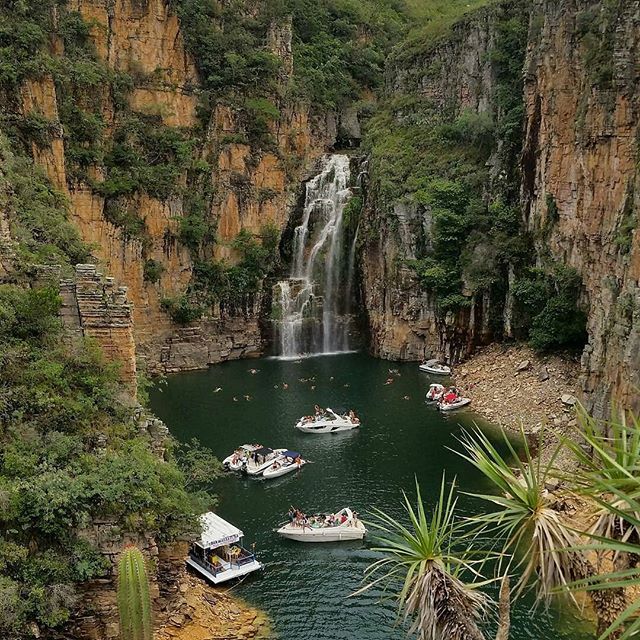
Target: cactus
134, 601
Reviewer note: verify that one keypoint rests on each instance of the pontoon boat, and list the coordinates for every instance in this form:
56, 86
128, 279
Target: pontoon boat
289, 461
328, 422
219, 555
334, 527
436, 368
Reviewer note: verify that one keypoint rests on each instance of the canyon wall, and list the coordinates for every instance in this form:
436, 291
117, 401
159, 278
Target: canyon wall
578, 201
449, 78
251, 187
580, 175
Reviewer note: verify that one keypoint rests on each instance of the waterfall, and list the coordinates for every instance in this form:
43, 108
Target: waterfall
314, 300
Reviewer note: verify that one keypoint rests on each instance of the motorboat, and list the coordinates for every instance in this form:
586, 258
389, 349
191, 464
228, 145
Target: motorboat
328, 422
235, 461
333, 527
286, 463
435, 393
260, 459
436, 368
219, 555
458, 403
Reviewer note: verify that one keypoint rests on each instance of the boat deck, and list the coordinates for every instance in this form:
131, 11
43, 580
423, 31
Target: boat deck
225, 571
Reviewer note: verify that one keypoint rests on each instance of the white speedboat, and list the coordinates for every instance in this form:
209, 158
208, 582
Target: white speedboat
289, 461
328, 422
260, 460
458, 403
235, 461
435, 368
333, 527
435, 393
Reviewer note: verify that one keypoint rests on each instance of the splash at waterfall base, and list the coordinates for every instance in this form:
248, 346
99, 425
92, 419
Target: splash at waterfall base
311, 309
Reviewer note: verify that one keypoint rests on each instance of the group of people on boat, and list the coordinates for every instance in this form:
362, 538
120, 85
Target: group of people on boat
299, 519
324, 414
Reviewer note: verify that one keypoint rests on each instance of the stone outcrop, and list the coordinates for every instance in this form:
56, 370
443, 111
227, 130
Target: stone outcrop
582, 101
95, 307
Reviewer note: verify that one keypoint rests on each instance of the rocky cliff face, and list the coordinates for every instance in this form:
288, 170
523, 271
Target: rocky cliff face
582, 99
450, 78
250, 187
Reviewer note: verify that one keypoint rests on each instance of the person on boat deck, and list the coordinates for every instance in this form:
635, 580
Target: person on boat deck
451, 395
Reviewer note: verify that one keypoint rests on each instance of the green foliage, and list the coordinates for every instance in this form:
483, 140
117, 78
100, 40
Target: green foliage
547, 306
152, 270
38, 214
181, 309
146, 155
437, 156
134, 601
596, 29
70, 453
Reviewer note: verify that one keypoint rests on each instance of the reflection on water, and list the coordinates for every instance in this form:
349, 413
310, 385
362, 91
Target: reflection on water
305, 587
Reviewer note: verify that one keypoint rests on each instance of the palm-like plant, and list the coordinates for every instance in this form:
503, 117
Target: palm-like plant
134, 601
422, 558
525, 518
626, 621
609, 455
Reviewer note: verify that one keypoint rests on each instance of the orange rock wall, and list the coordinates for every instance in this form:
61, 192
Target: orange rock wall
581, 150
143, 39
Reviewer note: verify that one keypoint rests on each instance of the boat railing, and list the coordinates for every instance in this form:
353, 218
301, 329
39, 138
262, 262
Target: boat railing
205, 564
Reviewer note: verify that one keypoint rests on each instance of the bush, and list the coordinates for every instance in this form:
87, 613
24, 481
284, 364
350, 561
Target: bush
152, 270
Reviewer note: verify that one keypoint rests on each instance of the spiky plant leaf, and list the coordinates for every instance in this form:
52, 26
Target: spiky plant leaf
421, 557
534, 535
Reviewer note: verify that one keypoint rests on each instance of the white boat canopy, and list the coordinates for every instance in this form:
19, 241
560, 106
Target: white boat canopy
216, 531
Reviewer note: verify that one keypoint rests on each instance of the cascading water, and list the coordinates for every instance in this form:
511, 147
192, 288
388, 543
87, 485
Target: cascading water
314, 300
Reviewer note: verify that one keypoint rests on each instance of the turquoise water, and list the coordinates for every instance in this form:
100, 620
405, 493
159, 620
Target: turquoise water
305, 588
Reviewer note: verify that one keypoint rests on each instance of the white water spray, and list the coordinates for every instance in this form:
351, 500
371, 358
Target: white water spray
314, 300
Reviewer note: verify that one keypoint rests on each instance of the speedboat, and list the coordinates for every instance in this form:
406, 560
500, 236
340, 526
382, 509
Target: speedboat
235, 461
458, 403
435, 368
333, 527
328, 422
289, 461
260, 460
435, 393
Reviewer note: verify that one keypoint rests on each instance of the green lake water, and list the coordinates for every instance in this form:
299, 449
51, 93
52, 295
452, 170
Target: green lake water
305, 587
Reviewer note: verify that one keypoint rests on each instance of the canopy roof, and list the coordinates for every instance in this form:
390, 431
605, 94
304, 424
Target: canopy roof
216, 531
291, 454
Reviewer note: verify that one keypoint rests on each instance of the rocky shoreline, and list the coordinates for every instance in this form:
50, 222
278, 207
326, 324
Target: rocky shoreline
512, 386
210, 613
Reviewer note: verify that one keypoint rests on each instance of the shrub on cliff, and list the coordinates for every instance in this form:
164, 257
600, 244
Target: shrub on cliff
71, 453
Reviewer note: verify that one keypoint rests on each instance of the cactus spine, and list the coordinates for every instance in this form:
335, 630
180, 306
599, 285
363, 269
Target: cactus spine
134, 601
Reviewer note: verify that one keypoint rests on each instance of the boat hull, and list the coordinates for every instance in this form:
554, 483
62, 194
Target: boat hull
338, 534
463, 402
281, 471
445, 371
328, 427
